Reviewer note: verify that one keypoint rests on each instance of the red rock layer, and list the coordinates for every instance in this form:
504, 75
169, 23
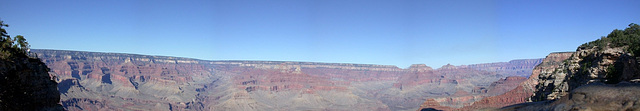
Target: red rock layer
463, 99
504, 85
278, 80
518, 95
433, 104
166, 74
520, 67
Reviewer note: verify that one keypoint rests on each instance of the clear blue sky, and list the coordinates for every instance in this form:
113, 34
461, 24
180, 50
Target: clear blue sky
341, 31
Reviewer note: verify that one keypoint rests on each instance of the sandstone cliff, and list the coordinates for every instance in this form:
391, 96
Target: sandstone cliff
585, 66
600, 75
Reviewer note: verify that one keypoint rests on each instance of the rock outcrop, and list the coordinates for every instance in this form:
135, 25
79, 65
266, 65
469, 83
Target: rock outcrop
591, 97
585, 66
600, 75
25, 84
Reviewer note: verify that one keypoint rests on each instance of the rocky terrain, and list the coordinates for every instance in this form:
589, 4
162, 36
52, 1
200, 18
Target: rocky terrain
114, 81
591, 97
600, 75
585, 66
25, 84
521, 93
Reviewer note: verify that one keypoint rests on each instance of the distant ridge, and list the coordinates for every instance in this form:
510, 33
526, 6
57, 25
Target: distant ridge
202, 61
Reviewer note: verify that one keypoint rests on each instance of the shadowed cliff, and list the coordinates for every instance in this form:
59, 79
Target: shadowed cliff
25, 84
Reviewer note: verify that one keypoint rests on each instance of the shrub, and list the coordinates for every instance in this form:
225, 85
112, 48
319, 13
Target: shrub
629, 37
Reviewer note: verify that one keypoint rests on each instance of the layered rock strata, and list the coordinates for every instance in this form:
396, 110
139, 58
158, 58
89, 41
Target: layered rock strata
522, 91
586, 66
114, 81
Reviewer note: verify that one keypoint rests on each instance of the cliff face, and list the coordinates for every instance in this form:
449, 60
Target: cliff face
600, 75
112, 81
526, 88
25, 84
107, 81
590, 79
587, 66
610, 59
521, 67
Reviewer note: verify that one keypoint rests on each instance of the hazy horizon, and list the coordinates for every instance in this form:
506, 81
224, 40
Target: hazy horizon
434, 67
397, 33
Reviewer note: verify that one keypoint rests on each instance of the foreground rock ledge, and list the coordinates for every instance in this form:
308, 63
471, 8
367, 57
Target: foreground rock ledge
623, 96
26, 85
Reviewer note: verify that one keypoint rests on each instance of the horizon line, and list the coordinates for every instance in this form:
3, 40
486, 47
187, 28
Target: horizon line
256, 60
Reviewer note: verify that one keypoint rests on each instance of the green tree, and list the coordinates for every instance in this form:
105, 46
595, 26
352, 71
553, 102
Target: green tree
21, 43
629, 38
16, 46
5, 39
3, 33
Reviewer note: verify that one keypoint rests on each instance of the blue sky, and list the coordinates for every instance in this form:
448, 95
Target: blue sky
342, 31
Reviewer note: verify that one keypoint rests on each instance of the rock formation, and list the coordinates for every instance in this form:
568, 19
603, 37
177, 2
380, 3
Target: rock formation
591, 97
25, 84
600, 75
521, 67
585, 66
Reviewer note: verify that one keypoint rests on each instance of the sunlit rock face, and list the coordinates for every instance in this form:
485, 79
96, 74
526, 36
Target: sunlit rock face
592, 78
113, 81
521, 67
586, 66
